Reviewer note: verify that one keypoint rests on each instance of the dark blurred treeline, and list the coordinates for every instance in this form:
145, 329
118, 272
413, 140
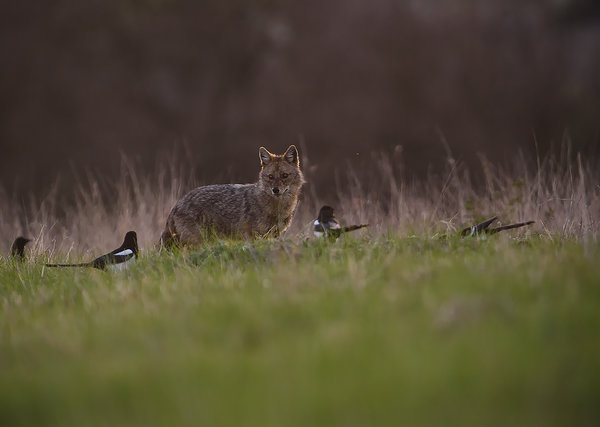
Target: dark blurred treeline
82, 81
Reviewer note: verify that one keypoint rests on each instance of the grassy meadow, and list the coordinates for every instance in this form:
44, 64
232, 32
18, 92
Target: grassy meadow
400, 324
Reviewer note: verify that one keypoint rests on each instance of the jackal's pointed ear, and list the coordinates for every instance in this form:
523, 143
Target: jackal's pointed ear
291, 155
264, 156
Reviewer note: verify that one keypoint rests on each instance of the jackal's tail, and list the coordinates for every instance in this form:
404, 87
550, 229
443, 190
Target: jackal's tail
169, 237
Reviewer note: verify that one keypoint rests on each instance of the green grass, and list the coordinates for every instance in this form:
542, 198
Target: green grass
396, 331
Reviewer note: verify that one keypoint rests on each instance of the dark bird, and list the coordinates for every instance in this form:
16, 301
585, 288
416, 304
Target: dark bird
17, 250
115, 260
482, 228
327, 225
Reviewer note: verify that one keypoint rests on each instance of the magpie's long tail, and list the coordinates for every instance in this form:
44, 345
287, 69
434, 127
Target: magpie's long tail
509, 227
84, 264
353, 227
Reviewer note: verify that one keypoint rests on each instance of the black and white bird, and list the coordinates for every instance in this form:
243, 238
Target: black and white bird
326, 225
118, 259
17, 250
483, 228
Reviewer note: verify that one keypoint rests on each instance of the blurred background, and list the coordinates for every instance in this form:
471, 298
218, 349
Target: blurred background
83, 82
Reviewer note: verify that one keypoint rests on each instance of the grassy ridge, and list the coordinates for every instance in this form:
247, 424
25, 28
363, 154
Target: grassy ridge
373, 332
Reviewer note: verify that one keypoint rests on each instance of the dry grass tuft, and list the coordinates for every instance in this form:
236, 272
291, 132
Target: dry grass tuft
561, 193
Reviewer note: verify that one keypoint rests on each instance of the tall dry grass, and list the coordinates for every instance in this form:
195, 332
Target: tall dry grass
561, 192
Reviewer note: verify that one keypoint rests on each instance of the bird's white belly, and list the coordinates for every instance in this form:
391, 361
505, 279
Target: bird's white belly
121, 266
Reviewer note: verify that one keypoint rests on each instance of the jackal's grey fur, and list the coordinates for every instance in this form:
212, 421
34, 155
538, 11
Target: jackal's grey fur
264, 208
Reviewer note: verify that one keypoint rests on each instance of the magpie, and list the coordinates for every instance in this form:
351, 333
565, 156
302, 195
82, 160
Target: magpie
17, 250
327, 225
482, 228
115, 260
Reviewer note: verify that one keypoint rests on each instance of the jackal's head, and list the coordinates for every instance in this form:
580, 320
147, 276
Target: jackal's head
280, 174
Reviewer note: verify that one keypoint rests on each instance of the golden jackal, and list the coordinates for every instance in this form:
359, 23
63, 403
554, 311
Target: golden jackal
235, 210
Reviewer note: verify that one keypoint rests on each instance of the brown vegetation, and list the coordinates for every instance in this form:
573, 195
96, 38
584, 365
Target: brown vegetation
82, 82
562, 194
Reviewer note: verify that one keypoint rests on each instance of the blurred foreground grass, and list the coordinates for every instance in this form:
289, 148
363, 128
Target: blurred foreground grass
396, 331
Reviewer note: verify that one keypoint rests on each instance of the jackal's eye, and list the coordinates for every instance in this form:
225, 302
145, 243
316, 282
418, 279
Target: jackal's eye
271, 176
284, 175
